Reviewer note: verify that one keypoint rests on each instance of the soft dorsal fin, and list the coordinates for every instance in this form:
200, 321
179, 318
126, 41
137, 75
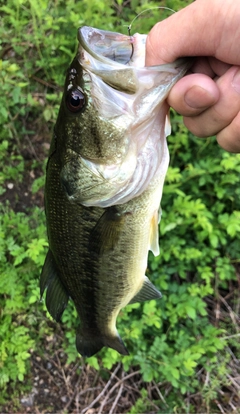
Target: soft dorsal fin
147, 292
47, 272
154, 243
57, 296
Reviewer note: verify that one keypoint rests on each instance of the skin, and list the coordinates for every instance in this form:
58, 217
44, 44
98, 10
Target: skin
209, 96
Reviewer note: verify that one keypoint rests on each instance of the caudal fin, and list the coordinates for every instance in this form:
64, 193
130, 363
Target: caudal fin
88, 346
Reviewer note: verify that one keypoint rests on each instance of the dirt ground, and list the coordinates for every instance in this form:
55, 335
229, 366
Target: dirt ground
57, 387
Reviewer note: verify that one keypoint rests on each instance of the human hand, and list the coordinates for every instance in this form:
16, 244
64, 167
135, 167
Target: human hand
209, 96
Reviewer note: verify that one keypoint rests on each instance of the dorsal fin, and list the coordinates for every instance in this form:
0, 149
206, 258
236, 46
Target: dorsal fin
57, 296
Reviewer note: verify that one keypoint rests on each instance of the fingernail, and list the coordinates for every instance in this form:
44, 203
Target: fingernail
198, 97
236, 81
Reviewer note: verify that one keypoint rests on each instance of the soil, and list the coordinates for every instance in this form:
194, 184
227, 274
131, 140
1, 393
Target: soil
34, 151
58, 387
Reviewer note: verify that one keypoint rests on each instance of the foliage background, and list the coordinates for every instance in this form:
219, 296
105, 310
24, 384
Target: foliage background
187, 344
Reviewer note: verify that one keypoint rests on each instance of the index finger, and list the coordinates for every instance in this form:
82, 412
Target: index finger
204, 28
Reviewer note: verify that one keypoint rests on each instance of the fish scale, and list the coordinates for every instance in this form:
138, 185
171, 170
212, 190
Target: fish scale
104, 178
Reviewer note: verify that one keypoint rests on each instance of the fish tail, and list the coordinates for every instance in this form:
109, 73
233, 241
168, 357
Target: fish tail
88, 346
116, 343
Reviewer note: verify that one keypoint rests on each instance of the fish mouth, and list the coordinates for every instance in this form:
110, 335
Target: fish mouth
105, 46
119, 60
112, 57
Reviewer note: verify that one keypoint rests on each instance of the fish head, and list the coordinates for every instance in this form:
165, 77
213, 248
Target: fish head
111, 125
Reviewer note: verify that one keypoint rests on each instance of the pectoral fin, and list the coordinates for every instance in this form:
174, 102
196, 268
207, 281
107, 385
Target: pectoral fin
105, 234
57, 296
147, 292
154, 243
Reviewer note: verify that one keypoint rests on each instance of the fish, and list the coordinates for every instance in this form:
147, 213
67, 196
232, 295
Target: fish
104, 178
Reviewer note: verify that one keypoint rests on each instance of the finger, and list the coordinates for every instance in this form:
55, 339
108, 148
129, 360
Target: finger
204, 36
210, 66
229, 137
219, 116
218, 67
193, 94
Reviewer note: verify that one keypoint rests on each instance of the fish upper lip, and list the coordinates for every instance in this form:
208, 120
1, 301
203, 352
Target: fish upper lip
105, 46
99, 44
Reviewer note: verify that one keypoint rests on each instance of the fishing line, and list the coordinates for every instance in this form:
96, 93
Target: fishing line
144, 11
129, 27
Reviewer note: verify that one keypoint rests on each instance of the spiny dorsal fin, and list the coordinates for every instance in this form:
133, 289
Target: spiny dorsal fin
57, 296
147, 292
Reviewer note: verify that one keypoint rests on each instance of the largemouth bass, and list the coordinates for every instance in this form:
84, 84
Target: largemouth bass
107, 163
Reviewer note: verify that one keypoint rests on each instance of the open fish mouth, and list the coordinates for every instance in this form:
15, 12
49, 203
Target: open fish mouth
104, 45
119, 50
112, 56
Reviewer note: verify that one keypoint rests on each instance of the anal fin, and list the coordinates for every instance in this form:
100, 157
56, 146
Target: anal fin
147, 292
57, 296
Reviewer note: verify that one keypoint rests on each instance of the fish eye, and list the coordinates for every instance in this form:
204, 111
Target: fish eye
75, 100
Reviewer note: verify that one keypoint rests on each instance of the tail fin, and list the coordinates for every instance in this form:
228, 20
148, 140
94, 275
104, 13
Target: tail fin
88, 346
